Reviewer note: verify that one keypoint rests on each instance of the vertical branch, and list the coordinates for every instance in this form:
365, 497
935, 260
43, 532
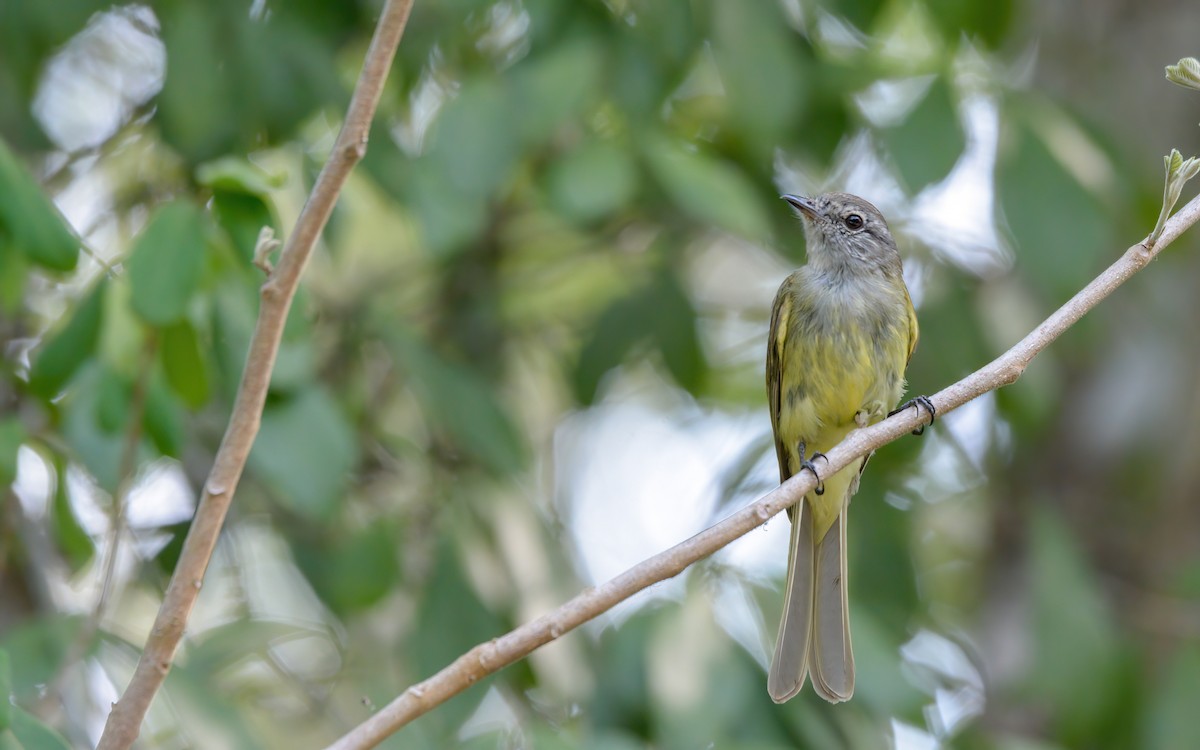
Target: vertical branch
125, 476
276, 295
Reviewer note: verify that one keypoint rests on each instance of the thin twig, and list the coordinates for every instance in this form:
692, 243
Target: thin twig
125, 476
133, 437
276, 294
496, 654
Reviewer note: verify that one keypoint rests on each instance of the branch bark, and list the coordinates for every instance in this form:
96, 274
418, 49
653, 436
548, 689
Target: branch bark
498, 653
124, 722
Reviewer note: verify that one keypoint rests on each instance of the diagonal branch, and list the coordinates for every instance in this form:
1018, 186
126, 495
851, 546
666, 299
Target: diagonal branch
125, 720
498, 653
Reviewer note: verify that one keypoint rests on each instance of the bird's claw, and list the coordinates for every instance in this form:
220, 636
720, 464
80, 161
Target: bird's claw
807, 463
918, 402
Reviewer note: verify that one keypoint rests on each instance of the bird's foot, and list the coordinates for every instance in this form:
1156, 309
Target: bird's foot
918, 402
807, 463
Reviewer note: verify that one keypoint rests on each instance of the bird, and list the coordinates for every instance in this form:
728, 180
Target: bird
843, 329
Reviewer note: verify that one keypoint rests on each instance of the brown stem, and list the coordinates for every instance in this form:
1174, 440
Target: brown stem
498, 653
125, 721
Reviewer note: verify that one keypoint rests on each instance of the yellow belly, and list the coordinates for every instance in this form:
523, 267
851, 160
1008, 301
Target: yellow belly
835, 369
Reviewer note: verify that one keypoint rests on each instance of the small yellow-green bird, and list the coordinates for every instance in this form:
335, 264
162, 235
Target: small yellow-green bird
842, 331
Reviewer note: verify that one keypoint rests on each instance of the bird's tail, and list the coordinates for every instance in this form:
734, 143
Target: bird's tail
814, 633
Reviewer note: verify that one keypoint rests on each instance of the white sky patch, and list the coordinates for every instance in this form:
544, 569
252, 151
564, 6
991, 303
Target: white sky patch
837, 37
859, 170
494, 714
431, 93
907, 737
274, 588
507, 35
93, 85
642, 472
953, 456
941, 668
888, 101
160, 497
738, 615
956, 217
762, 554
34, 483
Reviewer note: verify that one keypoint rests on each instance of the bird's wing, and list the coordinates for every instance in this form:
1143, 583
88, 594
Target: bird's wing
781, 310
914, 331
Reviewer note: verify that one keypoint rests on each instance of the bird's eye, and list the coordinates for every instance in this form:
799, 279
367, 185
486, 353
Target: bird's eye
854, 221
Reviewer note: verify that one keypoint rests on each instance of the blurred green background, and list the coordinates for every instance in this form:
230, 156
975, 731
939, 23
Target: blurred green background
528, 353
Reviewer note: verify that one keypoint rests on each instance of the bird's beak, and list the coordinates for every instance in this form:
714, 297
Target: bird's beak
802, 204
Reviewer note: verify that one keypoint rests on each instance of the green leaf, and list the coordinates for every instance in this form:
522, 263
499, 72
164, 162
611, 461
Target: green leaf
184, 364
549, 88
237, 83
123, 338
196, 105
60, 356
708, 189
593, 181
36, 648
1058, 225
461, 404
449, 598
623, 693
163, 420
211, 651
623, 324
1072, 625
165, 265
97, 448
14, 270
660, 311
827, 118
1179, 171
305, 451
355, 572
363, 569
12, 434
652, 57
475, 143
240, 206
929, 142
1170, 721
196, 690
242, 216
860, 13
113, 392
675, 332
75, 544
762, 70
29, 733
6, 707
989, 21
232, 326
30, 219
448, 219
236, 174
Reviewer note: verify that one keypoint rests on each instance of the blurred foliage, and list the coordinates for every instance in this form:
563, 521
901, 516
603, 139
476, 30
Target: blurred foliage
18, 729
566, 210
